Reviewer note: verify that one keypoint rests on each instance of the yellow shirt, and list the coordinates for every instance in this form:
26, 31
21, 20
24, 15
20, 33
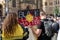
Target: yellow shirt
17, 35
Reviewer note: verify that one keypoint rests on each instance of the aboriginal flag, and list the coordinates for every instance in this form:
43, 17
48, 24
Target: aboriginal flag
29, 17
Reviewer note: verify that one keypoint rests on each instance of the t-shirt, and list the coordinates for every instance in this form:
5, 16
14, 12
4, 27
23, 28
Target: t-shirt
43, 36
17, 35
41, 26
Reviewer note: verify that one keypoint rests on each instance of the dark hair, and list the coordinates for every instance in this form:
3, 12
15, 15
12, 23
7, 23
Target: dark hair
52, 15
28, 7
43, 13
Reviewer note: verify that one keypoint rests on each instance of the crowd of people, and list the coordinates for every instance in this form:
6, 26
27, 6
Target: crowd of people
47, 30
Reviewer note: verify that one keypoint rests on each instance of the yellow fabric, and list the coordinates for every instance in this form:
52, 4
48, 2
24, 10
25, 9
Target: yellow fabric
29, 17
17, 35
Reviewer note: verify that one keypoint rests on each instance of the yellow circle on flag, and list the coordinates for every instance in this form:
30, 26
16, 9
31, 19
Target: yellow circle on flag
29, 17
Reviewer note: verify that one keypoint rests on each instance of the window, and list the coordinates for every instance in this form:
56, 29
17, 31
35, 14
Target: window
55, 2
13, 3
45, 3
50, 3
29, 1
58, 1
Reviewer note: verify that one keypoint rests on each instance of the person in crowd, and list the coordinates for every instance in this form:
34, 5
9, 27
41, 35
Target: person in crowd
39, 30
31, 35
58, 20
58, 37
11, 30
55, 25
55, 28
51, 16
43, 15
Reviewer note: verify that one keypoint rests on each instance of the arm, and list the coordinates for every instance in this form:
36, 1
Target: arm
36, 31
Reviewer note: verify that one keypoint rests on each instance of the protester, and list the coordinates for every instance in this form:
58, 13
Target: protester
58, 37
11, 30
55, 28
39, 30
58, 20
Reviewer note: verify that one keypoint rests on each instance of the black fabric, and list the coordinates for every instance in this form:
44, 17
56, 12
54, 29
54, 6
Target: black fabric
55, 27
41, 26
49, 29
43, 36
25, 30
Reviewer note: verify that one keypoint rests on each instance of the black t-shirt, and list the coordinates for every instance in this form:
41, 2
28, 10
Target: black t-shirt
41, 26
43, 36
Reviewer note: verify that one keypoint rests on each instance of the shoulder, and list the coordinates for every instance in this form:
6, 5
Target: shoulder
19, 27
19, 31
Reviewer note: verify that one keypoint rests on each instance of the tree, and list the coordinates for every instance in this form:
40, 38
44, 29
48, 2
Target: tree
56, 11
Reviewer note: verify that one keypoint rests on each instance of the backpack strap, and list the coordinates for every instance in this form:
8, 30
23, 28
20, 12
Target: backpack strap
26, 32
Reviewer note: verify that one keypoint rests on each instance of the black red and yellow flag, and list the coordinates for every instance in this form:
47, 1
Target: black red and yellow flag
29, 17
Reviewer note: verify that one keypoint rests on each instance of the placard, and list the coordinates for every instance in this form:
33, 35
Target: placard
29, 17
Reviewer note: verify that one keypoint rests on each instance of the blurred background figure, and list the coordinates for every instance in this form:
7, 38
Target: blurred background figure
58, 37
58, 20
42, 15
55, 28
11, 30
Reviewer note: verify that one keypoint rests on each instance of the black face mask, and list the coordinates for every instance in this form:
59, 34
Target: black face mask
45, 19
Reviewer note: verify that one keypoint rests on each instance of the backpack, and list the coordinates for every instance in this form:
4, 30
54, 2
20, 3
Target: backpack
55, 27
52, 28
48, 28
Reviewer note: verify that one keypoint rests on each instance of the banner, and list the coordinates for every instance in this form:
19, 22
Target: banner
29, 17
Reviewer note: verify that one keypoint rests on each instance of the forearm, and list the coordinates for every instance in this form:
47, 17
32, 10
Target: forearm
37, 31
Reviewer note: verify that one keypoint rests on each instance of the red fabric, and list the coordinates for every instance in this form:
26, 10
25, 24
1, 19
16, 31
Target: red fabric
36, 21
26, 23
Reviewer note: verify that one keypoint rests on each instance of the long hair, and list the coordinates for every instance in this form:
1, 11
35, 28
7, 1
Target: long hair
9, 24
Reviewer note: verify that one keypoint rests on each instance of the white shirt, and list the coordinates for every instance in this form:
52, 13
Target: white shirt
58, 37
31, 35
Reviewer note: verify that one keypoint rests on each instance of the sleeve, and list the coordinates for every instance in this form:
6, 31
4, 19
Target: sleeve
41, 25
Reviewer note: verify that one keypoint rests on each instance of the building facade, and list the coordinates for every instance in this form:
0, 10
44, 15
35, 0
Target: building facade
49, 6
15, 5
2, 7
